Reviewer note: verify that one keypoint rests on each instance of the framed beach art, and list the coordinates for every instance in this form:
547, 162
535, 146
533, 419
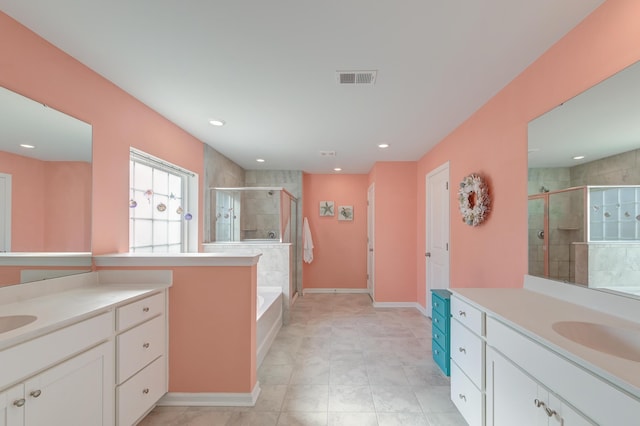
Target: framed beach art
345, 213
326, 208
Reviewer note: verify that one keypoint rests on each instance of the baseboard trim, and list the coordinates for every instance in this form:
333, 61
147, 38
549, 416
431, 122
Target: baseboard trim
335, 291
211, 399
415, 305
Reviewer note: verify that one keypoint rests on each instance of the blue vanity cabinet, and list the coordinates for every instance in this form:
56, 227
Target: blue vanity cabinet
440, 328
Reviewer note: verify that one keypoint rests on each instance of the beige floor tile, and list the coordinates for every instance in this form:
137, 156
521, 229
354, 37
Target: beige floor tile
309, 398
350, 399
339, 362
352, 419
303, 419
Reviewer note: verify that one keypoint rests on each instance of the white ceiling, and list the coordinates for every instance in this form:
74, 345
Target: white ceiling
598, 123
55, 136
268, 67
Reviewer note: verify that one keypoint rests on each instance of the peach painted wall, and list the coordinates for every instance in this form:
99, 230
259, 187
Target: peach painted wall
494, 142
50, 204
67, 212
340, 253
395, 236
212, 328
27, 201
36, 69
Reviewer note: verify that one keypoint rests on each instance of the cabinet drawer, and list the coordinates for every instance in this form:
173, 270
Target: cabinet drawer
141, 392
440, 302
140, 311
441, 338
139, 346
468, 315
439, 322
466, 397
467, 350
441, 357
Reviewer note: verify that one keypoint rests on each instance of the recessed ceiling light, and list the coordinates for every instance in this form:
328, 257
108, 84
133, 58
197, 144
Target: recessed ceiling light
578, 157
217, 123
383, 145
337, 169
260, 160
24, 145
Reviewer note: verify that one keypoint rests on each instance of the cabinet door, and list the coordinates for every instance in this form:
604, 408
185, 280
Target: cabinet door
511, 394
565, 415
12, 406
72, 393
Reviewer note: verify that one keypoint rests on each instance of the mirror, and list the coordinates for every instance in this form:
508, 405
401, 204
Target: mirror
45, 191
584, 188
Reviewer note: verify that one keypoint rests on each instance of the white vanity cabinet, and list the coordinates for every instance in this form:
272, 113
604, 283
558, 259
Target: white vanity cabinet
141, 360
467, 361
75, 384
515, 398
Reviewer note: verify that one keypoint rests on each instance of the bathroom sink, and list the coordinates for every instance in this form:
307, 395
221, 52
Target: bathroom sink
616, 341
11, 322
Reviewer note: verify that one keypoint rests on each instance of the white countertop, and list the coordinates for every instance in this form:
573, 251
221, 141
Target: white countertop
533, 314
60, 309
175, 259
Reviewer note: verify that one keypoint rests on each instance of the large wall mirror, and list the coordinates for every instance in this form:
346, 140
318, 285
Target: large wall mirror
584, 188
45, 191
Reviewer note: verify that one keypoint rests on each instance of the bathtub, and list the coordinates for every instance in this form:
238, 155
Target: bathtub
269, 319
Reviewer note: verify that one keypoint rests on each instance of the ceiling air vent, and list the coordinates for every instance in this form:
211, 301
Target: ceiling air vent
356, 77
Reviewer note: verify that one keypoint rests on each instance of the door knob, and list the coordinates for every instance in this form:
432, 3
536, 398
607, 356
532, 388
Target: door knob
428, 254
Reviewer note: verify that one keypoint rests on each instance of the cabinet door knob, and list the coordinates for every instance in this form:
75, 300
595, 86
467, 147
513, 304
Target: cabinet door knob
145, 309
19, 402
145, 391
462, 313
550, 412
36, 393
463, 350
146, 345
463, 397
538, 403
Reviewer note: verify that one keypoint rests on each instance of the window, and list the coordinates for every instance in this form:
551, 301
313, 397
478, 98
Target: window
159, 213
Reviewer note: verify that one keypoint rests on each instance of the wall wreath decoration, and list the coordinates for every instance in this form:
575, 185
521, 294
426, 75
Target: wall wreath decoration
473, 199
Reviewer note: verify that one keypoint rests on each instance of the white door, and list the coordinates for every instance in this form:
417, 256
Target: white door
371, 241
5, 212
437, 226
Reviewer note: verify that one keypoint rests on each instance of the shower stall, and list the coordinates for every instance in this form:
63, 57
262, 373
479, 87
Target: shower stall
253, 214
258, 220
572, 231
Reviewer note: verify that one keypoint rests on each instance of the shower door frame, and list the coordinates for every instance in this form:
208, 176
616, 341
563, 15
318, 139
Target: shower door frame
545, 196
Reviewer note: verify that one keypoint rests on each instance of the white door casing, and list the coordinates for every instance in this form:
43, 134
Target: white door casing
371, 241
437, 227
5, 212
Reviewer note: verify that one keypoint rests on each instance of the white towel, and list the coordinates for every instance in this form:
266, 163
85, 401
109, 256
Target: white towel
307, 242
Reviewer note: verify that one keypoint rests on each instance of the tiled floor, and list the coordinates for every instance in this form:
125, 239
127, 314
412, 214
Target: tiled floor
340, 362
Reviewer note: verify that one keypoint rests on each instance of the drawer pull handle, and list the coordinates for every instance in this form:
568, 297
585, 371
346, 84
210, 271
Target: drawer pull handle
549, 411
463, 397
146, 345
36, 393
463, 350
462, 313
435, 336
145, 309
145, 391
435, 320
435, 304
436, 352
19, 402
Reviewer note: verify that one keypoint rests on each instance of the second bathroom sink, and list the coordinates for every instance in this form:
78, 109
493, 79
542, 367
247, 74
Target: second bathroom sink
11, 322
616, 341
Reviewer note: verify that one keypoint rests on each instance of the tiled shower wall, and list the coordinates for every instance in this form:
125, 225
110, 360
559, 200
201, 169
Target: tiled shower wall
219, 172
